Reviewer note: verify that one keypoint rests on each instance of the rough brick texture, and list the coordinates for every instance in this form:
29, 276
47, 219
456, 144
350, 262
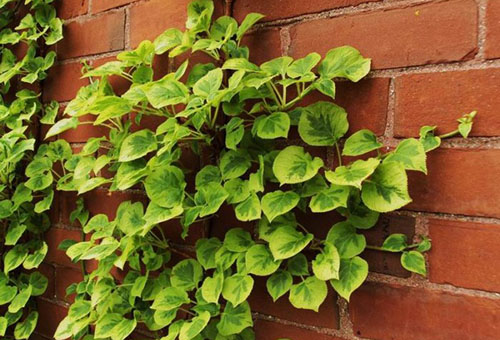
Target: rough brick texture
383, 311
431, 33
434, 60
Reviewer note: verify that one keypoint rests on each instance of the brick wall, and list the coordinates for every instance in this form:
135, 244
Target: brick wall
433, 61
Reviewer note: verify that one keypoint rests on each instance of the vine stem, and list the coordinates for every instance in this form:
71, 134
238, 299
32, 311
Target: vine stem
337, 148
449, 134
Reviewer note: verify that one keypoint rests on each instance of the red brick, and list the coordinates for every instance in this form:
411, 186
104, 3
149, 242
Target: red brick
102, 5
460, 181
492, 48
64, 277
268, 330
54, 237
465, 254
104, 33
107, 202
280, 9
67, 9
380, 311
63, 82
431, 33
263, 44
260, 301
49, 317
161, 15
441, 98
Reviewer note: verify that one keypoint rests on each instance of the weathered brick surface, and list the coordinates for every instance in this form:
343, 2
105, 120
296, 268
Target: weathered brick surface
460, 181
102, 5
493, 29
103, 33
440, 98
67, 9
280, 9
268, 330
396, 38
465, 254
383, 311
63, 82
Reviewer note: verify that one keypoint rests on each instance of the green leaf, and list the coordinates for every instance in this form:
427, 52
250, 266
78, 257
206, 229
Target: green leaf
353, 174
3, 326
237, 288
326, 265
166, 92
298, 265
428, 139
79, 309
91, 184
6, 208
247, 23
411, 154
193, 327
14, 233
286, 242
238, 190
278, 203
353, 273
259, 261
329, 199
14, 258
114, 325
167, 40
205, 251
361, 142
294, 165
326, 86
235, 319
25, 328
240, 64
208, 85
238, 240
235, 131
40, 182
210, 198
344, 62
344, 237
38, 283
323, 124
249, 209
273, 126
212, 288
130, 173
33, 260
20, 300
103, 249
395, 243
130, 217
309, 294
279, 283
165, 186
7, 294
234, 164
186, 274
303, 66
170, 298
163, 318
387, 189
276, 66
109, 107
137, 145
209, 174
414, 261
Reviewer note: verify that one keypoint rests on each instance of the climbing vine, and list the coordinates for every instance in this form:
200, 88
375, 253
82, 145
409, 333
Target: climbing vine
238, 118
26, 27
